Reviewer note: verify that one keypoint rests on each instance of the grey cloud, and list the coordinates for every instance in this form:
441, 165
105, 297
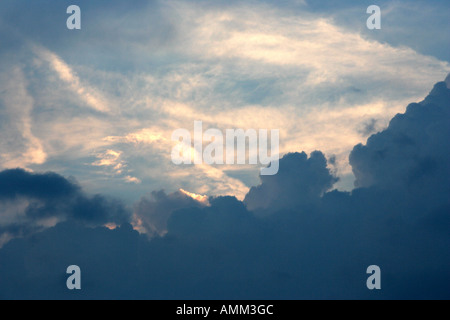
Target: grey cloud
400, 157
27, 200
311, 180
155, 210
369, 128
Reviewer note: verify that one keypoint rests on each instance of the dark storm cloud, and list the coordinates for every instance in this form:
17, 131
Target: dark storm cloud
47, 195
313, 244
17, 182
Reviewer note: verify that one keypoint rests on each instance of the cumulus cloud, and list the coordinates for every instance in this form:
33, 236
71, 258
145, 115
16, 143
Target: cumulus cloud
301, 180
400, 157
303, 249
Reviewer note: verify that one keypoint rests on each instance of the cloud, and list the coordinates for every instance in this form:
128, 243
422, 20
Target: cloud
102, 104
19, 183
399, 21
312, 180
313, 244
131, 179
19, 146
152, 213
110, 158
369, 127
140, 73
91, 98
400, 157
31, 202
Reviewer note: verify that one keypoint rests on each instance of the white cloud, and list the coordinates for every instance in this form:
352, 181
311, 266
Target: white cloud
131, 179
19, 145
242, 67
91, 97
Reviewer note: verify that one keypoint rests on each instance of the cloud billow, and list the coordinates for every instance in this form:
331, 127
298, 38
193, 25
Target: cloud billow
309, 243
17, 182
411, 155
300, 180
33, 201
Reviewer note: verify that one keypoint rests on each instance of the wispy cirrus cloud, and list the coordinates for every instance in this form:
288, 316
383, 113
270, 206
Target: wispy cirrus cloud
86, 92
19, 145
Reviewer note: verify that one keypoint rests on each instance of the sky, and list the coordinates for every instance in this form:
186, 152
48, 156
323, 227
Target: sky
86, 119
